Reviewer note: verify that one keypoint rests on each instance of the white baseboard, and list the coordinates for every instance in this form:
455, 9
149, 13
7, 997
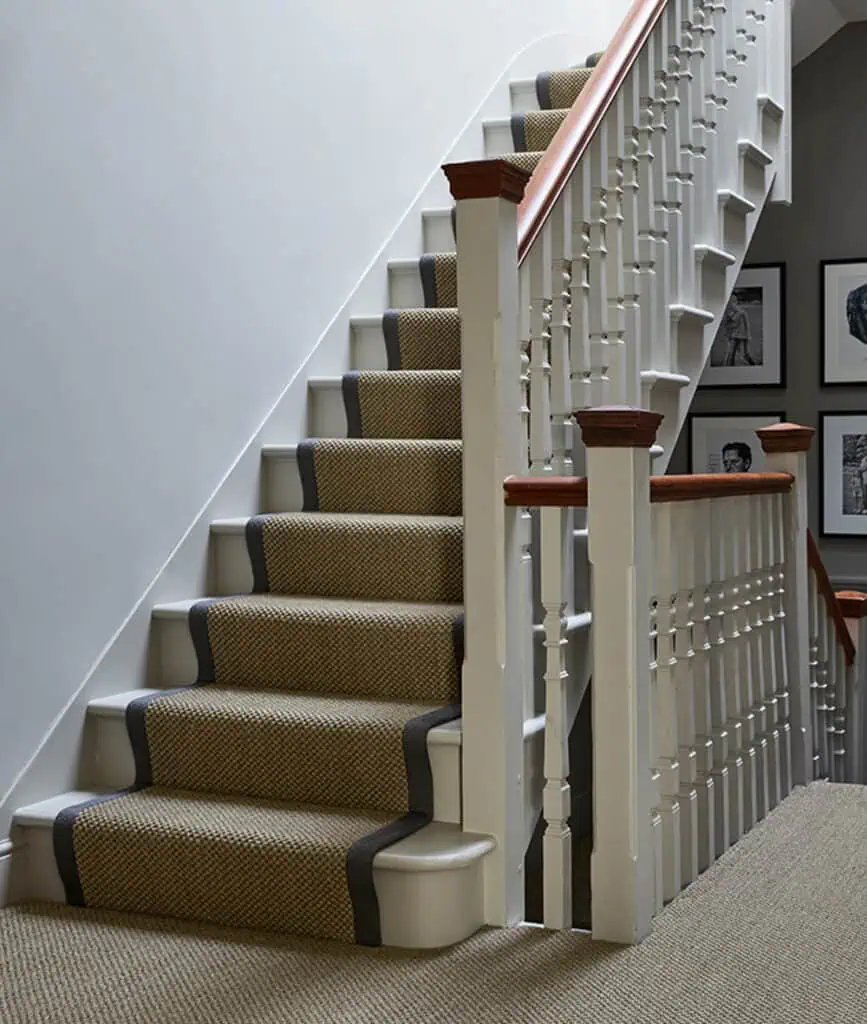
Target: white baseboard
124, 662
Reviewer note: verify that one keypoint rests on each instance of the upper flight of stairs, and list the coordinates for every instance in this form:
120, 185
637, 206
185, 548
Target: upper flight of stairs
295, 764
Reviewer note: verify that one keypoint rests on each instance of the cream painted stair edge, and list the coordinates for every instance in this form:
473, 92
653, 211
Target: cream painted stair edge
123, 664
429, 885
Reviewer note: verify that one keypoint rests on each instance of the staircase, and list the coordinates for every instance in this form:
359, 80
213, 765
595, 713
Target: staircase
301, 763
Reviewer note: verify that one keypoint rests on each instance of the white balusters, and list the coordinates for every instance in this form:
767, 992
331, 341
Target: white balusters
723, 517
540, 262
665, 700
561, 388
581, 368
709, 788
632, 291
691, 820
615, 320
601, 370
557, 840
752, 766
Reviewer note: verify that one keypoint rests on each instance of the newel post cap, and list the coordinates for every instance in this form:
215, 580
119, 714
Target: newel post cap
618, 426
486, 179
853, 604
783, 438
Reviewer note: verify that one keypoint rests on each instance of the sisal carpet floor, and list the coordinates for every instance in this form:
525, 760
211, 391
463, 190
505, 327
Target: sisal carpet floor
772, 934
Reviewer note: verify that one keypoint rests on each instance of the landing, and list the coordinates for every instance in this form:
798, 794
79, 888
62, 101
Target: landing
772, 933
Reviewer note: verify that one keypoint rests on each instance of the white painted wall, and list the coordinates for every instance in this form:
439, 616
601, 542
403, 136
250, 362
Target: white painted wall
813, 24
189, 194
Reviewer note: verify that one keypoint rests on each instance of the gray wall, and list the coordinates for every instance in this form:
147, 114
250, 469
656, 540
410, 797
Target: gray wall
827, 220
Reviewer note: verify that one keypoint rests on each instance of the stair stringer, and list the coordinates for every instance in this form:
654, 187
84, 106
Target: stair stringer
713, 297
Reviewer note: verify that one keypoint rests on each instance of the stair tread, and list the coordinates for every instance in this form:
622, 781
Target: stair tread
386, 520
326, 605
371, 445
309, 748
437, 846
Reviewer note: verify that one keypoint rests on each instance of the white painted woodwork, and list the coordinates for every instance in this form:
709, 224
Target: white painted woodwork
429, 886
664, 697
557, 839
498, 137
437, 233
524, 98
366, 335
404, 285
623, 865
496, 541
326, 413
282, 480
795, 596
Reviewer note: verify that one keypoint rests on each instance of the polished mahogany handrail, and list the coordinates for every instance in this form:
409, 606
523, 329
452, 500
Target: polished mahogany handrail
698, 486
583, 120
571, 491
832, 605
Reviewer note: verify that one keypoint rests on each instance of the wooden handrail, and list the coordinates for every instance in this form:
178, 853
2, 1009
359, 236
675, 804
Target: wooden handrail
571, 491
830, 598
698, 486
583, 120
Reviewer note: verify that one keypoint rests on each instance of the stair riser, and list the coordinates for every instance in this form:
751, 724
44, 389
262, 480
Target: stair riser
114, 766
498, 138
437, 231
283, 491
405, 289
420, 910
368, 344
326, 411
524, 96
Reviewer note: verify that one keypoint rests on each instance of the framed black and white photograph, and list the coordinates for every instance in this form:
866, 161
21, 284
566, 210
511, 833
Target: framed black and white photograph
843, 474
727, 442
844, 322
749, 347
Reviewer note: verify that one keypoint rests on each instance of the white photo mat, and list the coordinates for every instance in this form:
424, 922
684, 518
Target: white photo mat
759, 296
844, 474
716, 442
844, 356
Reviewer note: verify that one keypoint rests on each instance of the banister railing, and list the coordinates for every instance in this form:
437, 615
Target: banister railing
574, 136
592, 283
693, 733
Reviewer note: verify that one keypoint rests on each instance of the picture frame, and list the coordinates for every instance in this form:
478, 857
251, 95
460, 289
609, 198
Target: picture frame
749, 347
843, 474
843, 322
726, 442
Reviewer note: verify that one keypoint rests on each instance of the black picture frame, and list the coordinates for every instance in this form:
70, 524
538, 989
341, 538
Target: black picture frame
768, 416
826, 381
826, 492
711, 374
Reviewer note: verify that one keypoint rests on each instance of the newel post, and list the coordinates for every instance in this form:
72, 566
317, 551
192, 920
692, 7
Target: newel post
853, 605
618, 442
786, 446
498, 622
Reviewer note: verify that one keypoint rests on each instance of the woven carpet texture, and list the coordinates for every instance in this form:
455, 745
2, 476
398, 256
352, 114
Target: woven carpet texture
773, 933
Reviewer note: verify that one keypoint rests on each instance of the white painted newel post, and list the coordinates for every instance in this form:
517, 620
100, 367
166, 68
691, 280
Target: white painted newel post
496, 538
786, 446
618, 441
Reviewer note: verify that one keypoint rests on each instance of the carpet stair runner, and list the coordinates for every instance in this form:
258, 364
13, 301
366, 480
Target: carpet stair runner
265, 788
